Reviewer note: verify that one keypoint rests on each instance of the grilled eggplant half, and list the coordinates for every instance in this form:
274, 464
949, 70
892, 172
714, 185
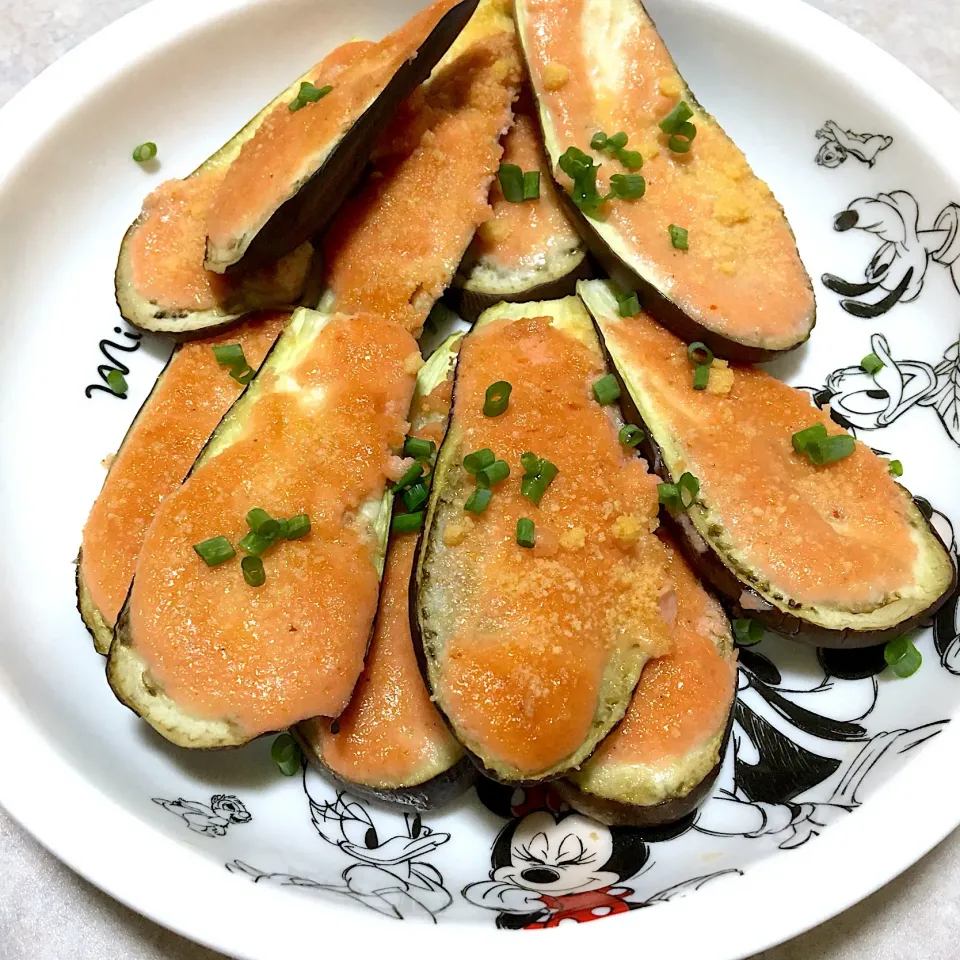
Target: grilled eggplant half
211, 660
396, 245
532, 640
528, 250
662, 761
390, 743
290, 178
707, 246
188, 400
836, 554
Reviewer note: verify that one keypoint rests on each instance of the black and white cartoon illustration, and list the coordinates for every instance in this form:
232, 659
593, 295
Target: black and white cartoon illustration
787, 741
839, 144
550, 865
896, 272
388, 872
114, 365
210, 820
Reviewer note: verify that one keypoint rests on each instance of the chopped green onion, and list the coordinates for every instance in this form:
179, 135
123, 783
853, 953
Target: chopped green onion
678, 237
598, 141
296, 527
255, 544
406, 522
802, 438
260, 522
617, 142
681, 144
411, 475
680, 114
478, 501
630, 435
699, 353
146, 151
585, 194
511, 182
497, 398
497, 472
230, 355
831, 449
631, 159
308, 93
872, 364
548, 471
420, 449
117, 382
701, 376
533, 488
747, 632
415, 497
243, 375
902, 657
531, 185
525, 532
628, 304
575, 163
668, 494
475, 462
530, 463
688, 486
896, 468
627, 186
606, 390
286, 754
215, 551
253, 573
427, 467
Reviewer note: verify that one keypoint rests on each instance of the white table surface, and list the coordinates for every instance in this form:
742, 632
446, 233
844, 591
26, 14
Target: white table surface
47, 911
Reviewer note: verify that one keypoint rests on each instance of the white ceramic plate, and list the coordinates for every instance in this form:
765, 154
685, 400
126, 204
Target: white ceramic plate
869, 763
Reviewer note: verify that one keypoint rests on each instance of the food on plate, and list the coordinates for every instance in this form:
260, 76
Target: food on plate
213, 650
391, 743
539, 581
291, 176
528, 249
795, 522
662, 761
395, 247
675, 213
190, 397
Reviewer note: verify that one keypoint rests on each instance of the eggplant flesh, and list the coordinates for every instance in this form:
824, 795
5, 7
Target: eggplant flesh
713, 552
337, 168
128, 672
432, 604
643, 261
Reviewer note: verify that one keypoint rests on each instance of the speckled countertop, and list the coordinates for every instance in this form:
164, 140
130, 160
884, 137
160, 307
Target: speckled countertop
48, 912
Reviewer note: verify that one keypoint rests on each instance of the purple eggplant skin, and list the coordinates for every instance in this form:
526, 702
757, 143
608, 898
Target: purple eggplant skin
661, 307
615, 814
311, 210
738, 596
438, 791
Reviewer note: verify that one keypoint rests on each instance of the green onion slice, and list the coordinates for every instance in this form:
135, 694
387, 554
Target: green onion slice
411, 475
575, 163
308, 93
117, 382
215, 551
606, 390
678, 237
296, 527
255, 544
701, 376
285, 752
831, 449
802, 438
631, 159
497, 472
478, 501
630, 435
525, 532
627, 186
511, 182
688, 486
230, 355
530, 463
617, 142
747, 632
681, 141
260, 522
668, 494
628, 304
497, 398
475, 462
598, 141
415, 497
533, 488
680, 114
407, 522
872, 364
699, 353
902, 657
253, 572
419, 449
531, 185
896, 468
144, 152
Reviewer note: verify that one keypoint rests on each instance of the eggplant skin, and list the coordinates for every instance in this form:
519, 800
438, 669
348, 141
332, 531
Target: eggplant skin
737, 592
98, 628
314, 205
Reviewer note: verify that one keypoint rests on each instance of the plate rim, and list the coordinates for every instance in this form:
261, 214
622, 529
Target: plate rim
187, 894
